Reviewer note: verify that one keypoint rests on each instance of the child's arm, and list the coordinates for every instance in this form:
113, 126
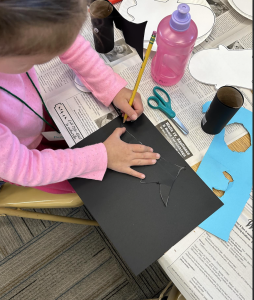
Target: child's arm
35, 168
100, 79
27, 167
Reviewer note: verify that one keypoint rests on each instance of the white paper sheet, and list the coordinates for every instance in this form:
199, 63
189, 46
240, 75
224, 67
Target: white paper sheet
222, 66
244, 5
154, 11
231, 2
125, 4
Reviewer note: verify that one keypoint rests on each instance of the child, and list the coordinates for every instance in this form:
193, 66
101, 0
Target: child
33, 32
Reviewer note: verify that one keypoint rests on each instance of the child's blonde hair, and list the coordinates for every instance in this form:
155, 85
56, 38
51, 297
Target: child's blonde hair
29, 27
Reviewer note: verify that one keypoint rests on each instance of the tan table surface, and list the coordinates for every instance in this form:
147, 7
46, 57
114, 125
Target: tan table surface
239, 145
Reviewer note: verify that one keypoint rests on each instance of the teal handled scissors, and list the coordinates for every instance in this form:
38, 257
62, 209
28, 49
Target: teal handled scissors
165, 107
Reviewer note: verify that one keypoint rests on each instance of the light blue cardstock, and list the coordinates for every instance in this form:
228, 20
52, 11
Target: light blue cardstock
220, 158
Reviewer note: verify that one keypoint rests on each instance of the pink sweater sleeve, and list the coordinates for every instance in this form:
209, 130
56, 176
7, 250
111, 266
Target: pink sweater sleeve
27, 167
99, 78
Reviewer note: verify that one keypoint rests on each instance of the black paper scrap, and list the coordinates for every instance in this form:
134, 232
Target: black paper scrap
103, 32
133, 33
132, 214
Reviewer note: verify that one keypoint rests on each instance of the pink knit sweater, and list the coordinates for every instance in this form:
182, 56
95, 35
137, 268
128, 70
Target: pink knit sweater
20, 128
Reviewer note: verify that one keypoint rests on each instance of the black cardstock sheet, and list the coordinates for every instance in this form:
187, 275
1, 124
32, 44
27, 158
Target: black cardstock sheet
144, 218
133, 33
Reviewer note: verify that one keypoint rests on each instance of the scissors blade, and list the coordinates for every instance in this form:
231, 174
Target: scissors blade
180, 125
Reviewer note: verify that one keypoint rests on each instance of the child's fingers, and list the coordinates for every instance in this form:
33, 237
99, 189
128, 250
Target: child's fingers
138, 105
146, 155
128, 119
134, 173
125, 106
141, 148
143, 162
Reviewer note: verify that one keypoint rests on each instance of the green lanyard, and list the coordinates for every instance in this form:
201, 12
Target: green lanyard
31, 107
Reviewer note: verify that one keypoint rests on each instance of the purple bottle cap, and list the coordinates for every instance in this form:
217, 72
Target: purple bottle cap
180, 19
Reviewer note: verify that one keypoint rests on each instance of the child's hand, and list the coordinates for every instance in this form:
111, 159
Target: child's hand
122, 156
121, 101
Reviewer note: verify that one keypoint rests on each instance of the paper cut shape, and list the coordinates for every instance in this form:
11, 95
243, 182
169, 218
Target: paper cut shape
154, 11
103, 30
222, 66
219, 158
132, 214
231, 2
245, 6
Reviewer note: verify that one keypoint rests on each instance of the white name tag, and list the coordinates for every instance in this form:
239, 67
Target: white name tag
53, 136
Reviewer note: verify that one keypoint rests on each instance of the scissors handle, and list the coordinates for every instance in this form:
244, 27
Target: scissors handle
157, 88
155, 99
164, 106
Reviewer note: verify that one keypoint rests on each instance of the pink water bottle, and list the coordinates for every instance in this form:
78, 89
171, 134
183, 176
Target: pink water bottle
176, 36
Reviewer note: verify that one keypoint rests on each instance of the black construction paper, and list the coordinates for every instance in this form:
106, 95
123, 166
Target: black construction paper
132, 214
104, 39
133, 33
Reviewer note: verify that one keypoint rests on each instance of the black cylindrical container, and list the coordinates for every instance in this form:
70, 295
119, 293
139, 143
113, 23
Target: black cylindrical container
103, 28
225, 104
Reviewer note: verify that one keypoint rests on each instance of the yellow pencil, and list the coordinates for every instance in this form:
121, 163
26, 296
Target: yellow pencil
149, 48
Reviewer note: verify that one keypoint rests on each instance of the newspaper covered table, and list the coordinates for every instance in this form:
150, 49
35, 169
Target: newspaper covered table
201, 265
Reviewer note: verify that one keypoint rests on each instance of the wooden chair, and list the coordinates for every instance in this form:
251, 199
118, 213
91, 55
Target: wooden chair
170, 292
14, 199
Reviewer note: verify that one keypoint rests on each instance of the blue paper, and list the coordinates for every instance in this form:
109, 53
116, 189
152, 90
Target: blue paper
220, 158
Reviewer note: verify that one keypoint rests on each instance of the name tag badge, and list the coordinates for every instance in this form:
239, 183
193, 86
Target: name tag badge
53, 136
